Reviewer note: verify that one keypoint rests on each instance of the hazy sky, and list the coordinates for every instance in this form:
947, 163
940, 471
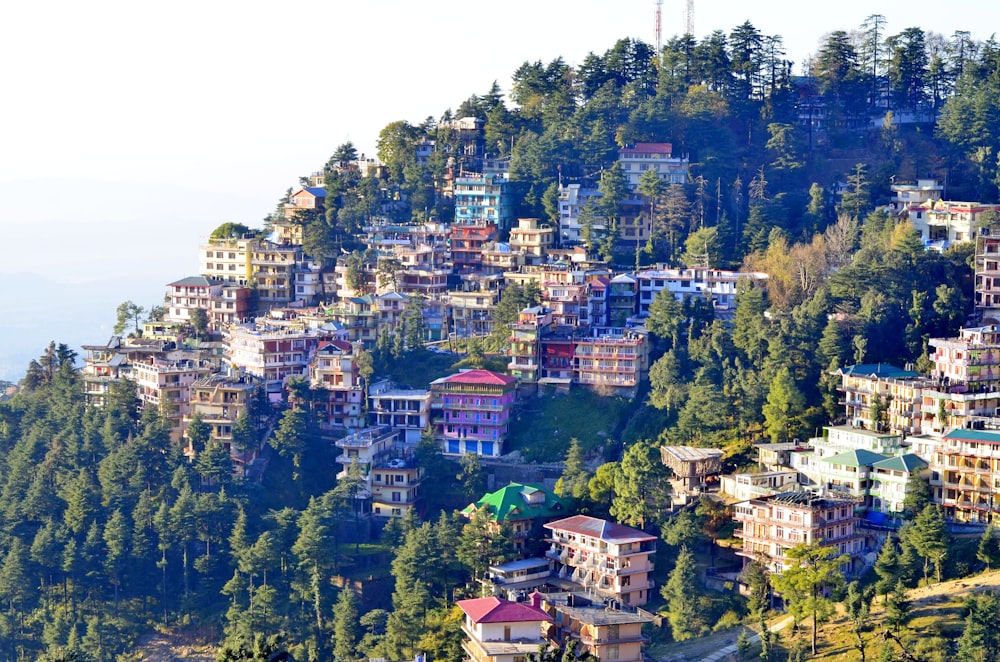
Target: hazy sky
158, 121
242, 97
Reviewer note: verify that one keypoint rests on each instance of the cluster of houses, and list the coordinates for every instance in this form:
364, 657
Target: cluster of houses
846, 488
588, 587
271, 314
261, 312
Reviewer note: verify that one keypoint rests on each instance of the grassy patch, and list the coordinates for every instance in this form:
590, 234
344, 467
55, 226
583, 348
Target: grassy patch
544, 424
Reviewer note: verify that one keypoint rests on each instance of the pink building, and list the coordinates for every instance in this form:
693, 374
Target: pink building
474, 410
611, 559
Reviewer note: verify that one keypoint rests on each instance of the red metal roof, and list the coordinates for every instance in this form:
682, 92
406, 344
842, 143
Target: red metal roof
649, 148
599, 528
479, 376
495, 610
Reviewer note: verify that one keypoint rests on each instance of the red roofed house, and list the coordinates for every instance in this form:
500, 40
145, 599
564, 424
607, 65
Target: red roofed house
610, 558
498, 630
474, 408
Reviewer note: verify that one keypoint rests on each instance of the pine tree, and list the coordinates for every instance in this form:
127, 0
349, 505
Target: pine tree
807, 583
345, 626
887, 568
575, 477
681, 593
929, 537
897, 608
988, 551
785, 403
980, 640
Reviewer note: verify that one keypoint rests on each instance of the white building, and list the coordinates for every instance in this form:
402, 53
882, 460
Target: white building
640, 157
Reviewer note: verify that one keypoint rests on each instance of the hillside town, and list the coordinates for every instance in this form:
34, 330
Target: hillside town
669, 355
274, 321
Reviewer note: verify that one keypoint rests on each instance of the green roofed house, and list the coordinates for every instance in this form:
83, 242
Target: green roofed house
849, 471
889, 479
523, 506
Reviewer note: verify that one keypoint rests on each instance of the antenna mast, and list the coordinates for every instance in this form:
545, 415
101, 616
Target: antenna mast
659, 27
689, 18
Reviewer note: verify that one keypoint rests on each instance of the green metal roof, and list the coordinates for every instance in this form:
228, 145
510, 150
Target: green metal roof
878, 370
856, 458
974, 435
509, 503
906, 463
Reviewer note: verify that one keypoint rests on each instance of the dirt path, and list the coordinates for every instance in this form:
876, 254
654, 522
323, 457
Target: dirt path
958, 588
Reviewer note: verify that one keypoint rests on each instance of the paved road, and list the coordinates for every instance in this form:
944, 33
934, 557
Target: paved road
730, 649
714, 647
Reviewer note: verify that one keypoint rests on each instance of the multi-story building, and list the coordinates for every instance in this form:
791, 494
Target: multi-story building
890, 479
232, 306
572, 199
944, 223
987, 287
568, 303
965, 475
525, 342
838, 447
357, 314
607, 633
523, 507
423, 270
391, 477
337, 391
220, 400
597, 301
498, 630
691, 466
308, 276
962, 390
555, 361
188, 294
103, 366
967, 370
641, 157
744, 486
389, 309
227, 260
270, 351
616, 361
273, 268
307, 199
772, 525
909, 194
395, 486
532, 239
472, 312
166, 385
610, 559
498, 257
622, 299
715, 285
475, 407
898, 391
405, 410
483, 200
467, 243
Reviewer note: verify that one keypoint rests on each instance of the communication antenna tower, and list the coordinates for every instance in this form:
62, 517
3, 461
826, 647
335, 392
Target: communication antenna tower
689, 18
659, 26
